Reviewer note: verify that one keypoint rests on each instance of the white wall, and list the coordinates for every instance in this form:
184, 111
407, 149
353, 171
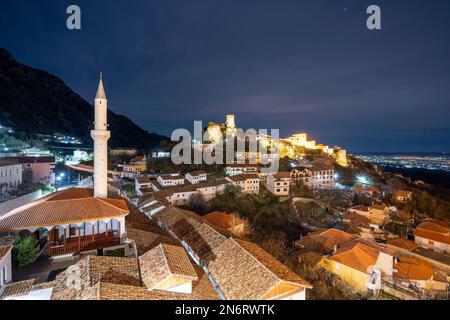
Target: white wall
297, 296
5, 270
11, 175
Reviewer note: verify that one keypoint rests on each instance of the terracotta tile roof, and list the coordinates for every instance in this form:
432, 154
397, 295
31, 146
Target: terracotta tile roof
356, 218
271, 263
152, 207
6, 163
402, 243
282, 175
223, 219
328, 239
146, 240
164, 261
4, 250
413, 269
204, 239
197, 173
320, 167
144, 179
360, 208
404, 214
434, 227
73, 193
144, 199
43, 285
8, 240
55, 212
356, 255
241, 165
202, 289
89, 271
177, 177
434, 236
243, 271
16, 289
243, 177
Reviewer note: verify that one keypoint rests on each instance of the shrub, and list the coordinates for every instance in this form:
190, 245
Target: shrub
27, 251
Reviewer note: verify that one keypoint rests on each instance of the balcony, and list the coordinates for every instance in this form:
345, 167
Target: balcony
83, 243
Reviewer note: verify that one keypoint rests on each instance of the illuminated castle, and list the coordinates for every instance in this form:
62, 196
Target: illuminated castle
301, 140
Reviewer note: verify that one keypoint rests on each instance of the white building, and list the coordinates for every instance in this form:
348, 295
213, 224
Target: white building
181, 195
196, 176
10, 175
318, 176
77, 157
142, 184
249, 183
278, 183
360, 210
236, 169
433, 236
5, 266
170, 181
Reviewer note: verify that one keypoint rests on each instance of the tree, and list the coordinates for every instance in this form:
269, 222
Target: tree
27, 251
198, 204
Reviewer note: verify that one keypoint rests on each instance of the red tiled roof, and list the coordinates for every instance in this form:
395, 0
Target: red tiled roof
223, 220
69, 206
356, 218
360, 208
282, 175
438, 237
402, 243
5, 163
330, 238
4, 250
356, 255
433, 227
413, 269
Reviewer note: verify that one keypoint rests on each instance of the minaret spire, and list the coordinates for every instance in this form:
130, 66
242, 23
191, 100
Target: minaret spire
100, 135
101, 90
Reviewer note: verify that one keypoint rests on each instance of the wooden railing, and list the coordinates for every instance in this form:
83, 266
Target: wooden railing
84, 243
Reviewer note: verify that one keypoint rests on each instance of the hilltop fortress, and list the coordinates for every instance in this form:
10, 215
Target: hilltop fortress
286, 147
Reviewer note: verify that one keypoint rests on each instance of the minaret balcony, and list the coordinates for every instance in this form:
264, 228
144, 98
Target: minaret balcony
100, 134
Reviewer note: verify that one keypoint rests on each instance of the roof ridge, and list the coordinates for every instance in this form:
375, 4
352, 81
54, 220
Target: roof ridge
103, 200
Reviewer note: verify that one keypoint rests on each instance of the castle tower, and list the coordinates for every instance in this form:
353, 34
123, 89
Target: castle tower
100, 135
230, 121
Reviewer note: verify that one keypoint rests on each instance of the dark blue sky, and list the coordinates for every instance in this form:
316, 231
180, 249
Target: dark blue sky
294, 65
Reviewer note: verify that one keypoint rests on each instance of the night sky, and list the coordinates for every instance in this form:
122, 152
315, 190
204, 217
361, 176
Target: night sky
294, 65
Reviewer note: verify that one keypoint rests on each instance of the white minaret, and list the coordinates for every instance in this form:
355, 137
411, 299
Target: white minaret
100, 135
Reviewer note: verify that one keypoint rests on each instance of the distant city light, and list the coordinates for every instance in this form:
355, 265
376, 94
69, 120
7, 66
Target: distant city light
58, 178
